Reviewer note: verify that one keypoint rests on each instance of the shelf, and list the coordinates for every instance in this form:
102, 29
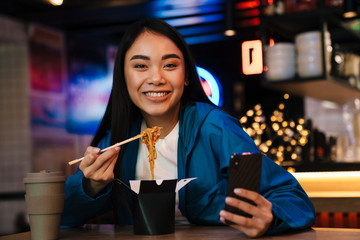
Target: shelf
323, 89
287, 26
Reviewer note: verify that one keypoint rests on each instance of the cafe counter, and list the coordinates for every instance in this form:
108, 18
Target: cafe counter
332, 191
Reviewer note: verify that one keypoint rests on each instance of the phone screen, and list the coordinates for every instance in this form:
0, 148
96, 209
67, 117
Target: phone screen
244, 172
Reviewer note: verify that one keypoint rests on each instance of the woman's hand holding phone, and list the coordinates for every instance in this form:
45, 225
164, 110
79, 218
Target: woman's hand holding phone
246, 209
261, 213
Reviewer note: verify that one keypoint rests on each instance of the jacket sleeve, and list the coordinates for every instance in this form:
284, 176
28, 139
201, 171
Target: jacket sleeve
78, 206
291, 206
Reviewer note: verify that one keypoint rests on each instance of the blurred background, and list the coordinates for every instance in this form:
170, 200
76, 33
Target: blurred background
56, 62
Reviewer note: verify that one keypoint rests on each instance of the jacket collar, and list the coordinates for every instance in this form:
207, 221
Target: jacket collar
192, 117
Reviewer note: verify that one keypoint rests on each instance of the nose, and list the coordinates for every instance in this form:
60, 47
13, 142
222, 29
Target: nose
156, 77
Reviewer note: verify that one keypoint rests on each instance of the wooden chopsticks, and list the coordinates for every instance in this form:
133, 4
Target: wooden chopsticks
113, 146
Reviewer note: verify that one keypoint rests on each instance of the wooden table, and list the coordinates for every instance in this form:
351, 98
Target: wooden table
189, 232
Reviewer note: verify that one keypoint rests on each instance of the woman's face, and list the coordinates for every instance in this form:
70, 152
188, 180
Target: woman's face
155, 75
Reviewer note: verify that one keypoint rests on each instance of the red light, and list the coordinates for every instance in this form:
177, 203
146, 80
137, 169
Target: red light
207, 88
248, 4
249, 22
271, 42
250, 13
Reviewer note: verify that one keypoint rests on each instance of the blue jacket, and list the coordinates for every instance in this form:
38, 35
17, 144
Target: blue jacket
207, 138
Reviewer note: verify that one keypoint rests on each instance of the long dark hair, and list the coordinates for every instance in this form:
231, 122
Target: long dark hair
121, 111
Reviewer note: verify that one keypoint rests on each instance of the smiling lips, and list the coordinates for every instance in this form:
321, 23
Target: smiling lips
156, 94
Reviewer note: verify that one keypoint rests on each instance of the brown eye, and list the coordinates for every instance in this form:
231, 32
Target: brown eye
170, 66
140, 66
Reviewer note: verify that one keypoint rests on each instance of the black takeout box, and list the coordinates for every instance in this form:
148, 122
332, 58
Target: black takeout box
154, 205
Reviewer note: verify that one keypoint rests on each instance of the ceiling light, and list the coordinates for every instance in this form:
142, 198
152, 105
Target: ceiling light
56, 2
229, 32
350, 8
229, 18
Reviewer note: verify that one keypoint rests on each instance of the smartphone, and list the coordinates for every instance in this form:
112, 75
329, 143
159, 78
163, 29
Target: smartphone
244, 172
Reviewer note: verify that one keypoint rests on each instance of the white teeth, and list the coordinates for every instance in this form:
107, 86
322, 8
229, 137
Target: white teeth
155, 94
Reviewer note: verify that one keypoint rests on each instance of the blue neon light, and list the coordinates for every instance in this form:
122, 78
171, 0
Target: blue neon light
204, 38
178, 11
197, 30
215, 86
178, 22
170, 4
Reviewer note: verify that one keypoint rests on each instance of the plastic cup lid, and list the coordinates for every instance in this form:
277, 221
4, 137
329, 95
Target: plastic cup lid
45, 176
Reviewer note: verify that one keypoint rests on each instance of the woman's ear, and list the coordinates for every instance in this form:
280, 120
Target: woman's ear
186, 83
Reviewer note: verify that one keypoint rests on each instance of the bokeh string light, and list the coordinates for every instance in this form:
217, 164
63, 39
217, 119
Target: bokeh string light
280, 139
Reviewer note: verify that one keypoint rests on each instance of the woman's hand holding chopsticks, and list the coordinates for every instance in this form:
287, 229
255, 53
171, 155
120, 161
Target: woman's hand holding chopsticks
98, 169
98, 165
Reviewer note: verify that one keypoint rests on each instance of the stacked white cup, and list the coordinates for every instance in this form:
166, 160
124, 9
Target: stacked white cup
309, 53
280, 61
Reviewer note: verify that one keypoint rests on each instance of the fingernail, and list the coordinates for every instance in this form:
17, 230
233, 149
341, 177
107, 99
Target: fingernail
117, 149
223, 213
228, 200
96, 150
237, 190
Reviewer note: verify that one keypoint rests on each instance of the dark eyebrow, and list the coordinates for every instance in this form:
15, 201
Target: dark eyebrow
140, 57
147, 58
170, 56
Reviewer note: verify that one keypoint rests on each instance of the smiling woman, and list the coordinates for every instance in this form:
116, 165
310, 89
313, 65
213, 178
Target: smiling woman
155, 78
156, 84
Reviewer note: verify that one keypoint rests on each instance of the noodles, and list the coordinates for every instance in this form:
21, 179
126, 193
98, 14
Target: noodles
150, 136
